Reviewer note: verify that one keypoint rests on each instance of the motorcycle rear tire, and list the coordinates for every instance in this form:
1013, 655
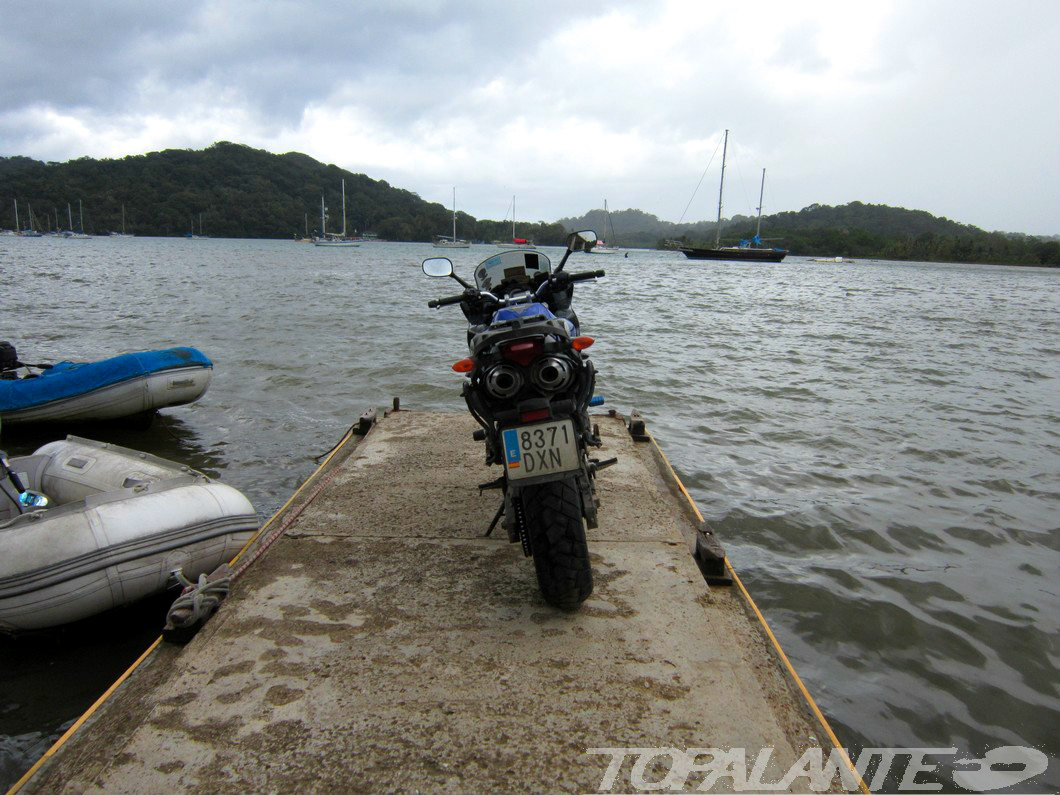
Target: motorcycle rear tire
553, 515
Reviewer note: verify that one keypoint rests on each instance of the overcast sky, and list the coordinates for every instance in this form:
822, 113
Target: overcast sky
949, 107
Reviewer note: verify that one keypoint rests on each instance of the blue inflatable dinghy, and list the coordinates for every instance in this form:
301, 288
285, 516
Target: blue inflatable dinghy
123, 386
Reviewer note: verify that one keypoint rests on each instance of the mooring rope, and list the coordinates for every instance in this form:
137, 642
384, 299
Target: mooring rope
701, 177
198, 600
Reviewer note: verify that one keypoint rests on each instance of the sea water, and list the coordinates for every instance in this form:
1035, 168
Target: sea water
877, 444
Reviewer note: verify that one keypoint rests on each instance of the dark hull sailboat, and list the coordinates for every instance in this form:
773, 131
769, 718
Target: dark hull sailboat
735, 253
749, 250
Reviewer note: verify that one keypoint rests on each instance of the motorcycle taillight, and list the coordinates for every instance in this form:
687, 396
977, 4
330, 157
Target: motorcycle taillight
522, 352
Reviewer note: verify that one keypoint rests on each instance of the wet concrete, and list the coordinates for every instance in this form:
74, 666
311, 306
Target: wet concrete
383, 644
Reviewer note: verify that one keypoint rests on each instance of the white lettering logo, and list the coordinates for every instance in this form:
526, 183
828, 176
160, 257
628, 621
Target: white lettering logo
669, 769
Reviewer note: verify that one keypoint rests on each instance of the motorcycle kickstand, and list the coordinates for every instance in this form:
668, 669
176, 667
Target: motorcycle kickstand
596, 465
496, 518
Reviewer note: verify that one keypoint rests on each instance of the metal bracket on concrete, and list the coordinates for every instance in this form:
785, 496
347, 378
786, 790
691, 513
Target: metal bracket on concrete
365, 422
710, 557
635, 426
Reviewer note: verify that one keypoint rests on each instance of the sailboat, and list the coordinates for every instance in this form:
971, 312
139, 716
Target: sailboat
444, 241
748, 250
333, 241
31, 230
122, 233
517, 242
606, 248
12, 232
306, 238
192, 236
70, 234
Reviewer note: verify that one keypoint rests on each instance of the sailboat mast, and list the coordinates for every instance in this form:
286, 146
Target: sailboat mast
81, 216
761, 193
513, 218
17, 229
610, 225
323, 220
454, 213
69, 218
344, 208
721, 190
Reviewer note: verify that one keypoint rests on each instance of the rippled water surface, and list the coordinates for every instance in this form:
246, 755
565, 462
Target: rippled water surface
877, 444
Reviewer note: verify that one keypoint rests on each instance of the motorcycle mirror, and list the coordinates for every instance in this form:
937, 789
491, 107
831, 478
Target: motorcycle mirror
581, 241
438, 267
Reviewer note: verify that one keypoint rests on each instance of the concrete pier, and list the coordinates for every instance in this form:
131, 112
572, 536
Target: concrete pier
383, 644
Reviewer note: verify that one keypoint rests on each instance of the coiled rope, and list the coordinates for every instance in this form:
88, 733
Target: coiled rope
198, 601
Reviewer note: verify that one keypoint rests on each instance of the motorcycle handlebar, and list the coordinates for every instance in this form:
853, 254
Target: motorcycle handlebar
580, 277
453, 299
456, 299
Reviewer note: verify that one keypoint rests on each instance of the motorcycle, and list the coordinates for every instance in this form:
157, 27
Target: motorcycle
529, 384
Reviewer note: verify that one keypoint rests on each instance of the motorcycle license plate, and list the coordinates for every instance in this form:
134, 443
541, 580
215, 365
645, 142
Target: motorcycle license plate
545, 449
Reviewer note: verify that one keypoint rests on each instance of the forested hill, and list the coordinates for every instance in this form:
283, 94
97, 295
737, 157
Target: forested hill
237, 190
850, 230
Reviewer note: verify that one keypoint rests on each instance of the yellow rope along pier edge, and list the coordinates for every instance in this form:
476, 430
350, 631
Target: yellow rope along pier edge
157, 642
769, 632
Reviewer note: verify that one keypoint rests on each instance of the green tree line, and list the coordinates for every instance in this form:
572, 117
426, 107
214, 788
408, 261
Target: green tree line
237, 191
233, 191
855, 230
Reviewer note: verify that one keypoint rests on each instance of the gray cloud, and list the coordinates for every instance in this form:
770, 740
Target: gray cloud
949, 107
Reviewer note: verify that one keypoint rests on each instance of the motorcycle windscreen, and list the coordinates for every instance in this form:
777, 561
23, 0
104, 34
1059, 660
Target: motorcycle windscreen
511, 268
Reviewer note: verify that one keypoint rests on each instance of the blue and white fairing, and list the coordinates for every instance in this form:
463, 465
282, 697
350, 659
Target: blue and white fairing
535, 309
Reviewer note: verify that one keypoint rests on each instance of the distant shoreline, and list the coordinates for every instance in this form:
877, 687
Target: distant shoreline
856, 261
230, 190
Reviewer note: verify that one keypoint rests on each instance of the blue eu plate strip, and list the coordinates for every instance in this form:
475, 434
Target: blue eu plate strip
512, 453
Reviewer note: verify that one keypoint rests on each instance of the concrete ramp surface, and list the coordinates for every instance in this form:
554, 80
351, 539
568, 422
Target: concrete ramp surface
383, 645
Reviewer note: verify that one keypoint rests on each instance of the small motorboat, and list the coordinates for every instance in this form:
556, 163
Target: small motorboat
117, 524
130, 385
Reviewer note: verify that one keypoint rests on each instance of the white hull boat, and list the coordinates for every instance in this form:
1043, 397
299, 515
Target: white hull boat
126, 399
445, 241
517, 242
604, 248
334, 243
119, 523
123, 386
329, 239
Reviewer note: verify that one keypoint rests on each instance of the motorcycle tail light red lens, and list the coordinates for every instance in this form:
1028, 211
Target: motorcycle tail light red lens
581, 343
533, 416
464, 365
522, 353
